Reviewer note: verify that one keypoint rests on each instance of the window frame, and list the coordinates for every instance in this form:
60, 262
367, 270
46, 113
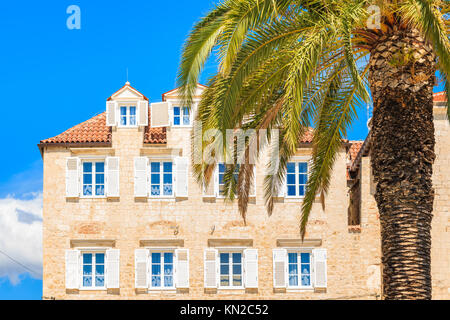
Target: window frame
299, 251
128, 106
92, 251
182, 115
161, 178
149, 269
217, 173
230, 251
297, 161
93, 173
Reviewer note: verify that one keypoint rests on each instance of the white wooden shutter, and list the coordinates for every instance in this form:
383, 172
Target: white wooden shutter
320, 268
112, 177
182, 268
181, 183
140, 268
216, 181
111, 113
279, 268
160, 114
141, 177
112, 268
282, 188
72, 269
251, 268
143, 113
72, 177
253, 187
211, 268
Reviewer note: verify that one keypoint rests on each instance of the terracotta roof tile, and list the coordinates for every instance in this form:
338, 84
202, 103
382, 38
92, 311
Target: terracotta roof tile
307, 136
93, 130
354, 149
439, 97
154, 135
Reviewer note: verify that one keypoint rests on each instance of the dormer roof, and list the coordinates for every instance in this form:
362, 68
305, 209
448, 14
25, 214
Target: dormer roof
174, 92
127, 92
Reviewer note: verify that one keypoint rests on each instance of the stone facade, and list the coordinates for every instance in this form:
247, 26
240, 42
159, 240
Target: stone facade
353, 253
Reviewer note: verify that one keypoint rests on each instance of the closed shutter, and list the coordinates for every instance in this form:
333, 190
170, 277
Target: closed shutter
182, 268
181, 183
72, 269
251, 268
72, 177
160, 114
143, 113
211, 268
140, 177
112, 177
279, 268
111, 113
320, 268
140, 268
112, 268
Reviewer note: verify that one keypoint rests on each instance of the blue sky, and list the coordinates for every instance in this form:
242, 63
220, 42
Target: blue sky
53, 78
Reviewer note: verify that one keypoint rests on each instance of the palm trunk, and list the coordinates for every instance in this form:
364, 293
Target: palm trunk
402, 155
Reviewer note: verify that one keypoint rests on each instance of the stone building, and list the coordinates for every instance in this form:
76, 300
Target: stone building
124, 218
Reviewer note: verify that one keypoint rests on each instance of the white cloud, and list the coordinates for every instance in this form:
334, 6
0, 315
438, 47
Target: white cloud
21, 236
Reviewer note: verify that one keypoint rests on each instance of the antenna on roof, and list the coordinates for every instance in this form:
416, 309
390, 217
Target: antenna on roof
127, 77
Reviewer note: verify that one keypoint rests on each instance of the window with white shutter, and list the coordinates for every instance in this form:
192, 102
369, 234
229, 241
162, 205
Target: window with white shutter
182, 268
211, 268
141, 268
112, 268
72, 269
140, 177
320, 268
112, 177
111, 113
159, 114
251, 268
279, 268
143, 113
181, 183
72, 177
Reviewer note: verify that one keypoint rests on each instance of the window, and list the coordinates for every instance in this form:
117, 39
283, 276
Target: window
296, 178
230, 269
127, 116
93, 270
161, 179
221, 172
93, 178
162, 269
181, 116
299, 269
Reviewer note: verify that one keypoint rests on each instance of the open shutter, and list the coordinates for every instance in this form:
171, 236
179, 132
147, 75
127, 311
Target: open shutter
216, 181
282, 188
140, 177
112, 177
181, 183
253, 186
143, 113
211, 268
320, 268
140, 268
72, 177
112, 268
72, 269
160, 114
279, 268
182, 268
251, 268
111, 113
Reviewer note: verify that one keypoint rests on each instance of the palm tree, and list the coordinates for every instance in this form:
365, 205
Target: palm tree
293, 64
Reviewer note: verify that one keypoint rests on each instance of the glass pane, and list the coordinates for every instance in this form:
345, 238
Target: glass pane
100, 178
87, 281
123, 120
156, 257
87, 270
305, 257
293, 269
293, 281
302, 178
100, 270
185, 111
99, 167
123, 111
87, 258
87, 178
291, 190
176, 111
168, 257
87, 190
221, 167
167, 178
302, 167
237, 257
237, 269
306, 280
224, 269
237, 281
167, 166
156, 178
290, 167
132, 111
301, 190
291, 179
99, 258
100, 190
176, 121
132, 120
99, 281
156, 281
221, 179
155, 191
306, 269
168, 269
224, 281
168, 281
292, 257
186, 120
87, 166
224, 257
168, 190
155, 166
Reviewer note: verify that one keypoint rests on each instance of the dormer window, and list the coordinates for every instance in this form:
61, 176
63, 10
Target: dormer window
127, 115
181, 116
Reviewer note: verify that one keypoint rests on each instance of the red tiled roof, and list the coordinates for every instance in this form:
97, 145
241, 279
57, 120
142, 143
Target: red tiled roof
93, 130
440, 97
307, 136
354, 149
154, 135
